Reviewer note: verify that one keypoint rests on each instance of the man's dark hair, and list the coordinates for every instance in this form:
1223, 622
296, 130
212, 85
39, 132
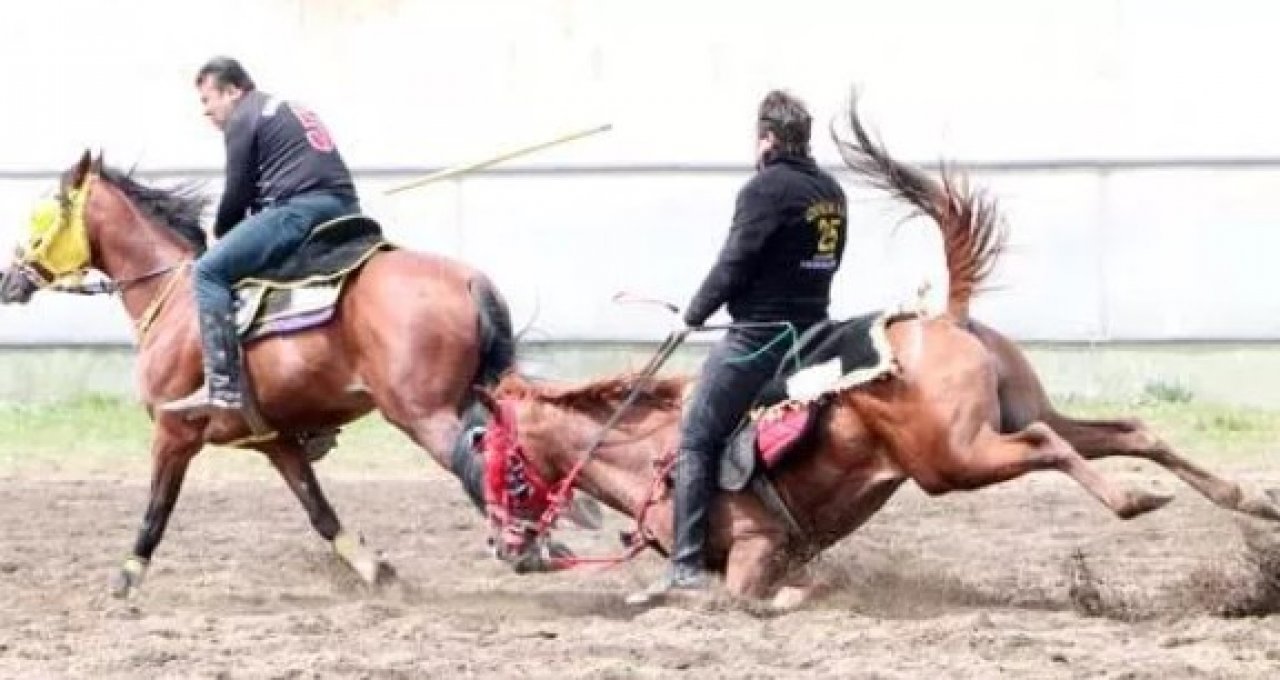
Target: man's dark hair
225, 72
788, 119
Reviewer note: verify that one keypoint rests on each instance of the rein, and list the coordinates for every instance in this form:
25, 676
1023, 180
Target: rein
112, 287
148, 318
561, 496
637, 540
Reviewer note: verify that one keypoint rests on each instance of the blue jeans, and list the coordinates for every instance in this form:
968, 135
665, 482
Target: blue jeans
260, 241
733, 374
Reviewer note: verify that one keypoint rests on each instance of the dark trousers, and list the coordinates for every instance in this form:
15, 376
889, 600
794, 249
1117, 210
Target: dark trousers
260, 241
733, 374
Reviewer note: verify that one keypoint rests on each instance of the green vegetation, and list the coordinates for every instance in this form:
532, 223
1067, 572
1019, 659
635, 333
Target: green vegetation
105, 435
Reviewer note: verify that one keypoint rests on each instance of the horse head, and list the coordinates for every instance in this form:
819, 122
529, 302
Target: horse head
103, 219
56, 247
539, 465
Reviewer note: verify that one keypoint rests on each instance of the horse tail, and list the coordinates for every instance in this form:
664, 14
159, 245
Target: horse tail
497, 357
497, 341
973, 236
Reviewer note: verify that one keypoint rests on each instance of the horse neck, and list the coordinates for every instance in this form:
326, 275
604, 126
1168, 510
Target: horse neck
127, 244
621, 471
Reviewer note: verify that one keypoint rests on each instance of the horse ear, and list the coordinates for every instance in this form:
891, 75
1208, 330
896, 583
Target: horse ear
98, 162
81, 170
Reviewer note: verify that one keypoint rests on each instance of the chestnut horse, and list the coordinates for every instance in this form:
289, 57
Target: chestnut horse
963, 411
413, 333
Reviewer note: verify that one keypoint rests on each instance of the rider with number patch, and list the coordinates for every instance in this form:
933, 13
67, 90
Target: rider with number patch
284, 176
777, 264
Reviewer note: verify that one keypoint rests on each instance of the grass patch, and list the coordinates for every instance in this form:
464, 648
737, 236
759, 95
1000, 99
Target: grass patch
1163, 391
108, 435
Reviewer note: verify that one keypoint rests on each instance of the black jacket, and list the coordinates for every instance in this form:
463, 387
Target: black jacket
784, 247
276, 150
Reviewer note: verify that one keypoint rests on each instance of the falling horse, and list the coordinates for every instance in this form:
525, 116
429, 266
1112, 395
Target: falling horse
406, 333
947, 403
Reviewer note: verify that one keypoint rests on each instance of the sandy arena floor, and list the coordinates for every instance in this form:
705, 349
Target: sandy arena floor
1032, 579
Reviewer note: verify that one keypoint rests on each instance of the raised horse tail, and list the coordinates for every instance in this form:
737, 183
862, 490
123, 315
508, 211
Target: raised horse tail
972, 233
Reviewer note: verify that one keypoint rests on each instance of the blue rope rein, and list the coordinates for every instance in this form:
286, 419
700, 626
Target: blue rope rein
788, 333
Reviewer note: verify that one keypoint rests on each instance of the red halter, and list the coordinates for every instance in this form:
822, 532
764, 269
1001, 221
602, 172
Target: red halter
523, 507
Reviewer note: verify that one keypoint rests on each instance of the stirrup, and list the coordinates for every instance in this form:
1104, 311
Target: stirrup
201, 402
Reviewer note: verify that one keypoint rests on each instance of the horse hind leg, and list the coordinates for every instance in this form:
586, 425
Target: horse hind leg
993, 458
755, 565
1132, 438
1023, 401
290, 460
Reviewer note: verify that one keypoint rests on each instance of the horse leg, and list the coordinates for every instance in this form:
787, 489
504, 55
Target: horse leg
754, 566
172, 449
993, 458
1023, 400
438, 431
291, 461
1132, 438
435, 433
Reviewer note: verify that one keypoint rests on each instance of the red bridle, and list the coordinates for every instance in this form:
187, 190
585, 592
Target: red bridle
523, 507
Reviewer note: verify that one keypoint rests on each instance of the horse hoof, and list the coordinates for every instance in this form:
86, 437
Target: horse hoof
790, 598
386, 574
127, 581
368, 566
1265, 505
1274, 495
1141, 503
374, 571
122, 586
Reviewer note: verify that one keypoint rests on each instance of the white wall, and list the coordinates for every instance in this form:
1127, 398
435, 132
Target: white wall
1128, 254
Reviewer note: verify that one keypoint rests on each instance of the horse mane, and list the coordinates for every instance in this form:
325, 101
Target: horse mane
973, 233
597, 396
179, 207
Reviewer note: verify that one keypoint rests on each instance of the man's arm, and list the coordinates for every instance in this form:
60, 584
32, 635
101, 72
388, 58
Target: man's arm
755, 218
238, 190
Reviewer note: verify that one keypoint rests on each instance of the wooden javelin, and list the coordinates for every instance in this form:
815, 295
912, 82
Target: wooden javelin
472, 167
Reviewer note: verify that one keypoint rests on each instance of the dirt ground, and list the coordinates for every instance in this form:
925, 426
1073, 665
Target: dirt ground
1032, 579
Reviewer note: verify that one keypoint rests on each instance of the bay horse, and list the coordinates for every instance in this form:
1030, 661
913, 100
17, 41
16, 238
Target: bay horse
963, 411
411, 335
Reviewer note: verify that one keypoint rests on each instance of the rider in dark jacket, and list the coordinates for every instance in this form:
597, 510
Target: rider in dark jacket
783, 250
284, 176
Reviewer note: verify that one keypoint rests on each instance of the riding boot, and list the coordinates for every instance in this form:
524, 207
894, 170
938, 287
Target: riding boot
222, 386
693, 492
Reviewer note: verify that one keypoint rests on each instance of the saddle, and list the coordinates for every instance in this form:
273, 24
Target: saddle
298, 294
830, 357
303, 291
